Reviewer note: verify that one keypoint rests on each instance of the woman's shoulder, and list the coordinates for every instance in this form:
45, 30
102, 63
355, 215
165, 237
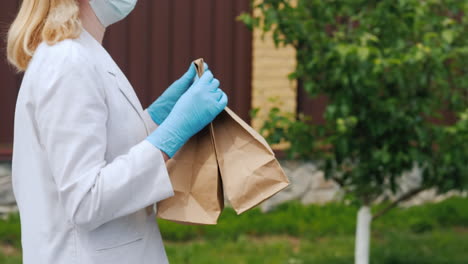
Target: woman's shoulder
69, 61
68, 53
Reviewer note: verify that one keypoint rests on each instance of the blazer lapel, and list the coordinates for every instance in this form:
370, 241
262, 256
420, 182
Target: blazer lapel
109, 64
127, 90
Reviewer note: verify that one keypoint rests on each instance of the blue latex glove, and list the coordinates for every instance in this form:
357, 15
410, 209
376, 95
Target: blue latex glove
195, 109
161, 108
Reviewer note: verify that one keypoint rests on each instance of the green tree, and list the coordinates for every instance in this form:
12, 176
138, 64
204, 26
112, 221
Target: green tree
388, 68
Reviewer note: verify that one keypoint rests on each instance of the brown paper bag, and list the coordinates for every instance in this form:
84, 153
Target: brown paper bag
198, 195
249, 170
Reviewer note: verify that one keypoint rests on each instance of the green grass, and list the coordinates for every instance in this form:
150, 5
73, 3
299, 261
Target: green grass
10, 232
10, 259
437, 247
296, 234
294, 219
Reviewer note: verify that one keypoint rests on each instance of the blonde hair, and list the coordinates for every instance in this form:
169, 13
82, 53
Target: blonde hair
50, 21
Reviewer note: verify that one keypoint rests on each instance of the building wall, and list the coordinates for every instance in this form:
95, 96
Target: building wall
271, 66
156, 43
154, 46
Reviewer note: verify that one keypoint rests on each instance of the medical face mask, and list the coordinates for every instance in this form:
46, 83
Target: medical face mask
112, 11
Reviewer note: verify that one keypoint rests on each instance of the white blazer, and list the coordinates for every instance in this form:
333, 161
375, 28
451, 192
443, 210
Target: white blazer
83, 172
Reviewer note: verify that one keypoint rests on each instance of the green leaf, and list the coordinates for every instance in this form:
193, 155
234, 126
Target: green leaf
448, 35
363, 53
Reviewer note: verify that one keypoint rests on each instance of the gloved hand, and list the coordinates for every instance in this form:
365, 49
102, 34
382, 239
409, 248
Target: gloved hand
161, 108
195, 109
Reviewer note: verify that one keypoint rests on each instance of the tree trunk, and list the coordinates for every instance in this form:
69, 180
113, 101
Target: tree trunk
364, 217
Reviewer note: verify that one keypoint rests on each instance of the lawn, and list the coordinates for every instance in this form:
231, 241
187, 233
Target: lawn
428, 234
448, 247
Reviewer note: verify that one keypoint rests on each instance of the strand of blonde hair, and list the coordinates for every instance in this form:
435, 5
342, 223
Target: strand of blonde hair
50, 21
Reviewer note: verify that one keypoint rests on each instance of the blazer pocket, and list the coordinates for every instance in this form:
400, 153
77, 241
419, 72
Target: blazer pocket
104, 248
118, 232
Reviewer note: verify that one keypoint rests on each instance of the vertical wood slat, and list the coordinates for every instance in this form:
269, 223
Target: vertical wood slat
181, 37
242, 96
139, 50
9, 80
178, 32
223, 38
203, 23
160, 45
116, 44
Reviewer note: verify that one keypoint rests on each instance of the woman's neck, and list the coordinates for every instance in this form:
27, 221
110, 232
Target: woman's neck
90, 22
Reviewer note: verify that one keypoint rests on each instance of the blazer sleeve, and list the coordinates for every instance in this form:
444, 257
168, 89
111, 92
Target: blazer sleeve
71, 115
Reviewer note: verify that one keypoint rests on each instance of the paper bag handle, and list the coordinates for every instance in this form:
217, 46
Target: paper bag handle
200, 66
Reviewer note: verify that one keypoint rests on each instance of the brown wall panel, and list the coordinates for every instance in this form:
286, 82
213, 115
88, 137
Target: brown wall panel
156, 44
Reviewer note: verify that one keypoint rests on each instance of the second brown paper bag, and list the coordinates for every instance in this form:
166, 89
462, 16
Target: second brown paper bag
249, 170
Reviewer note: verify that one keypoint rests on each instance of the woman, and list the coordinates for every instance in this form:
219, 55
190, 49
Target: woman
87, 158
